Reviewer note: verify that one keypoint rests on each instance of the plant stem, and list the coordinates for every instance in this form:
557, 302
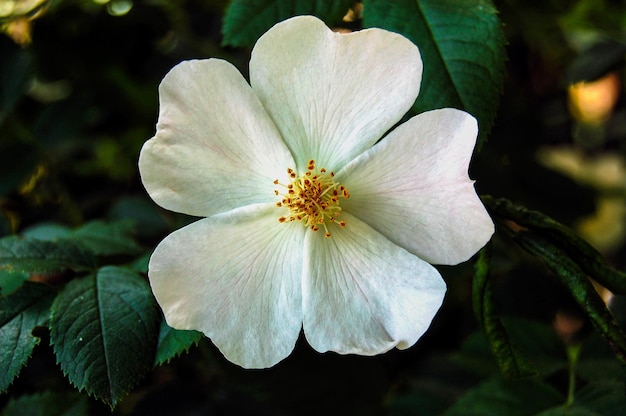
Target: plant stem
573, 352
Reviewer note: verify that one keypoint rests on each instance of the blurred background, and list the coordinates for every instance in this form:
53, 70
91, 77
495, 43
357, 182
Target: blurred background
78, 98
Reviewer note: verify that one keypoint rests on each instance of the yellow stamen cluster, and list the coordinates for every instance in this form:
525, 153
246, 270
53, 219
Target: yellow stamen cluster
312, 198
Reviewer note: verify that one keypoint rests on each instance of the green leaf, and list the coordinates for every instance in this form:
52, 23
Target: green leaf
506, 397
20, 313
22, 258
174, 342
587, 257
567, 411
462, 46
10, 281
104, 331
48, 404
47, 231
605, 397
246, 20
537, 340
108, 238
580, 287
140, 264
417, 403
102, 237
510, 359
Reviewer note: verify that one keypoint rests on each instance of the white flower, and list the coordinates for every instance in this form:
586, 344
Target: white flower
254, 272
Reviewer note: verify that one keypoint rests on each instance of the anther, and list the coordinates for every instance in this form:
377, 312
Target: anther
312, 197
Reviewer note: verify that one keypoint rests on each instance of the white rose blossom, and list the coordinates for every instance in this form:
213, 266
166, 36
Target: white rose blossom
309, 222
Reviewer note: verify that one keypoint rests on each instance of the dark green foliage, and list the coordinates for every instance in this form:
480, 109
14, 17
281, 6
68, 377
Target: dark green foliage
104, 329
579, 285
511, 360
20, 313
48, 404
21, 258
587, 257
506, 397
246, 20
598, 60
174, 342
17, 70
78, 102
462, 46
108, 238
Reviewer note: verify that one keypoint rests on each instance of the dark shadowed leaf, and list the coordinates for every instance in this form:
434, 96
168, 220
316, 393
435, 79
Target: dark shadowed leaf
597, 61
48, 404
16, 70
108, 238
246, 20
21, 258
462, 46
506, 397
580, 287
104, 238
510, 359
20, 313
174, 342
580, 251
104, 330
605, 397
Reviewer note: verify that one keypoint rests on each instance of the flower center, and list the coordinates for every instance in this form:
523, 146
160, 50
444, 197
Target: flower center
312, 198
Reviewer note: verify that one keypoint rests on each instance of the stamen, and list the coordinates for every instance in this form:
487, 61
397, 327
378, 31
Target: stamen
313, 198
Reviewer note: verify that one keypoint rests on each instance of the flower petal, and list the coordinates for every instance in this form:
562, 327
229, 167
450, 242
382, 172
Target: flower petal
236, 277
333, 95
215, 147
413, 187
363, 294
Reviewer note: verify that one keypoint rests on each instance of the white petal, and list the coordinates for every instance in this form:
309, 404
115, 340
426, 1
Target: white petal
237, 278
414, 188
215, 147
365, 295
333, 95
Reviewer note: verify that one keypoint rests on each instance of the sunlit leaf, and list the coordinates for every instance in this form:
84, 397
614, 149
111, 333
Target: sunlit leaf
462, 46
510, 359
174, 342
20, 313
22, 258
104, 330
246, 20
48, 404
